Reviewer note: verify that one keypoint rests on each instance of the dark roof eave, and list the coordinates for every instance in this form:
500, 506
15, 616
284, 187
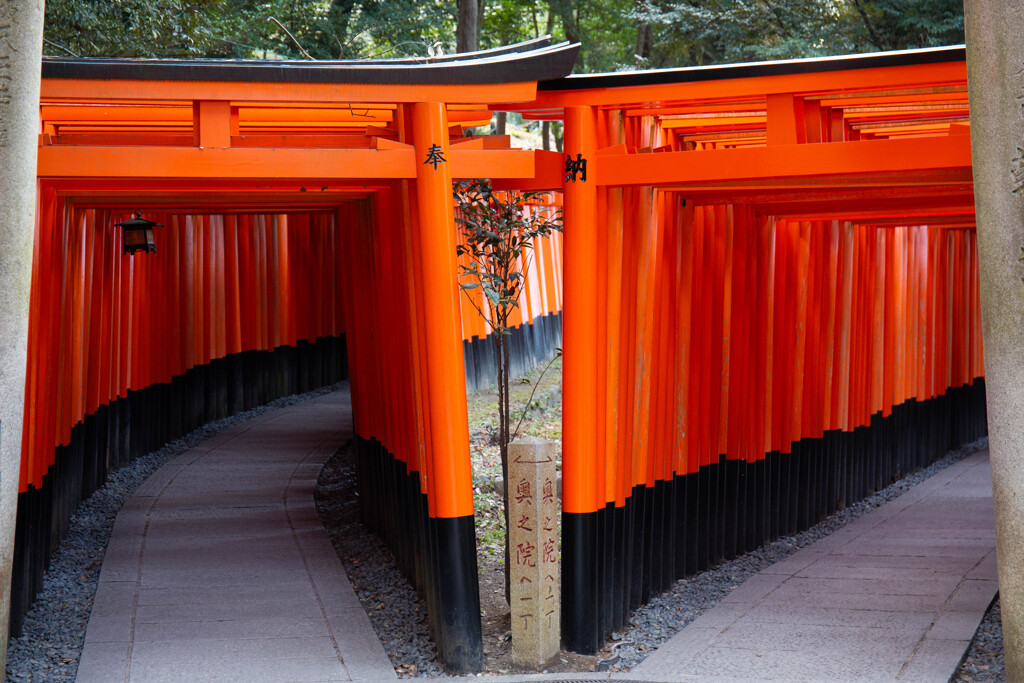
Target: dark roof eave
502, 65
956, 53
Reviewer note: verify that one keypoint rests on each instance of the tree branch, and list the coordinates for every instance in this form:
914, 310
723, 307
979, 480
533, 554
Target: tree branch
50, 42
301, 49
478, 309
529, 401
867, 24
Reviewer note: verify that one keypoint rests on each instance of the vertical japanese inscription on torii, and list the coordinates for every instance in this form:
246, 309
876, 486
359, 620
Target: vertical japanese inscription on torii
533, 516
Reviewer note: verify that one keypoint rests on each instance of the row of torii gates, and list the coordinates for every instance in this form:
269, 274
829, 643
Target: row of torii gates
768, 292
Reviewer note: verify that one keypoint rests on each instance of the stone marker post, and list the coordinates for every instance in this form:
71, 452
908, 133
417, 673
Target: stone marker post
533, 550
995, 83
21, 46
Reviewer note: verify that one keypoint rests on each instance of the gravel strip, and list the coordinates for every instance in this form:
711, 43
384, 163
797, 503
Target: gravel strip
984, 662
54, 631
398, 614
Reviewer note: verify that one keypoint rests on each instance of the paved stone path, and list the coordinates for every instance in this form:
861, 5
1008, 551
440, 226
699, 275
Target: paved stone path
219, 568
894, 596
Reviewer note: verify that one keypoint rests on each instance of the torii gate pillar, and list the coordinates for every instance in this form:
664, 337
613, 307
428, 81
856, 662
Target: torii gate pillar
579, 371
458, 597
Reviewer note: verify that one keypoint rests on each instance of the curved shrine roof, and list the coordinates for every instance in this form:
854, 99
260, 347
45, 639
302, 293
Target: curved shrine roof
784, 67
535, 60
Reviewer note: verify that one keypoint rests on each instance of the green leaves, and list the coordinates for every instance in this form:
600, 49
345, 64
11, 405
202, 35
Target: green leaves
616, 34
326, 29
498, 233
695, 32
133, 28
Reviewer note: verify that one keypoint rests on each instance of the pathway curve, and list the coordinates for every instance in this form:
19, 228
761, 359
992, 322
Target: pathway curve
894, 596
219, 568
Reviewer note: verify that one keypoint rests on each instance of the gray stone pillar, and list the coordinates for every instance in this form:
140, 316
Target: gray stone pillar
21, 43
995, 74
533, 533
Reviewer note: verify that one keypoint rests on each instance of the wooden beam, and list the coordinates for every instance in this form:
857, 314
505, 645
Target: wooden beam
177, 162
492, 163
785, 119
211, 123
782, 162
547, 175
825, 82
809, 197
912, 208
109, 113
74, 161
187, 91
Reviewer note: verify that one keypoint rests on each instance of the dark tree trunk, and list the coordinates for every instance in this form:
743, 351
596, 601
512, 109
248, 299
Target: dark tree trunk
481, 5
643, 47
468, 38
564, 10
503, 438
873, 35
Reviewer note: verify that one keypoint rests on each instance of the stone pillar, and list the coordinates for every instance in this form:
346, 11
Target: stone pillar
995, 74
533, 534
21, 44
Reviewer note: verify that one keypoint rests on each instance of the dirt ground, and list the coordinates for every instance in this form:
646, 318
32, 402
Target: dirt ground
495, 622
544, 420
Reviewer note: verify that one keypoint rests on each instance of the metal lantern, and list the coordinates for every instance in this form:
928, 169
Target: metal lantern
138, 234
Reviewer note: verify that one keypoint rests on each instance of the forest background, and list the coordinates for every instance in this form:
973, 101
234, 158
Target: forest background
616, 35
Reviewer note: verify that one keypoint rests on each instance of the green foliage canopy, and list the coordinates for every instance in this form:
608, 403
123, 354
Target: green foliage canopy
326, 29
131, 28
616, 34
696, 32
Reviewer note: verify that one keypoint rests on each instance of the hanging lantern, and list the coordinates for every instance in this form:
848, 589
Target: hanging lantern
138, 234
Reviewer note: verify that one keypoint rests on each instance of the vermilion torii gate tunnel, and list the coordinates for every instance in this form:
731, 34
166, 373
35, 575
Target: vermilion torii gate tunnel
771, 307
770, 292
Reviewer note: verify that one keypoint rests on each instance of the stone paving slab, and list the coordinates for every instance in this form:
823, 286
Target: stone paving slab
218, 569
895, 595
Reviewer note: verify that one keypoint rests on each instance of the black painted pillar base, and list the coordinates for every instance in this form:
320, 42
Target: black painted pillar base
459, 638
729, 506
579, 581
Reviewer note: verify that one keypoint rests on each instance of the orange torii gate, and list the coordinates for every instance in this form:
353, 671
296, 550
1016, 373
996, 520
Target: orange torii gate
771, 306
770, 292
308, 214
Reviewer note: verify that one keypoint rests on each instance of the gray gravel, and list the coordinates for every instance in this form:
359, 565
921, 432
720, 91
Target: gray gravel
55, 628
984, 662
54, 631
398, 614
